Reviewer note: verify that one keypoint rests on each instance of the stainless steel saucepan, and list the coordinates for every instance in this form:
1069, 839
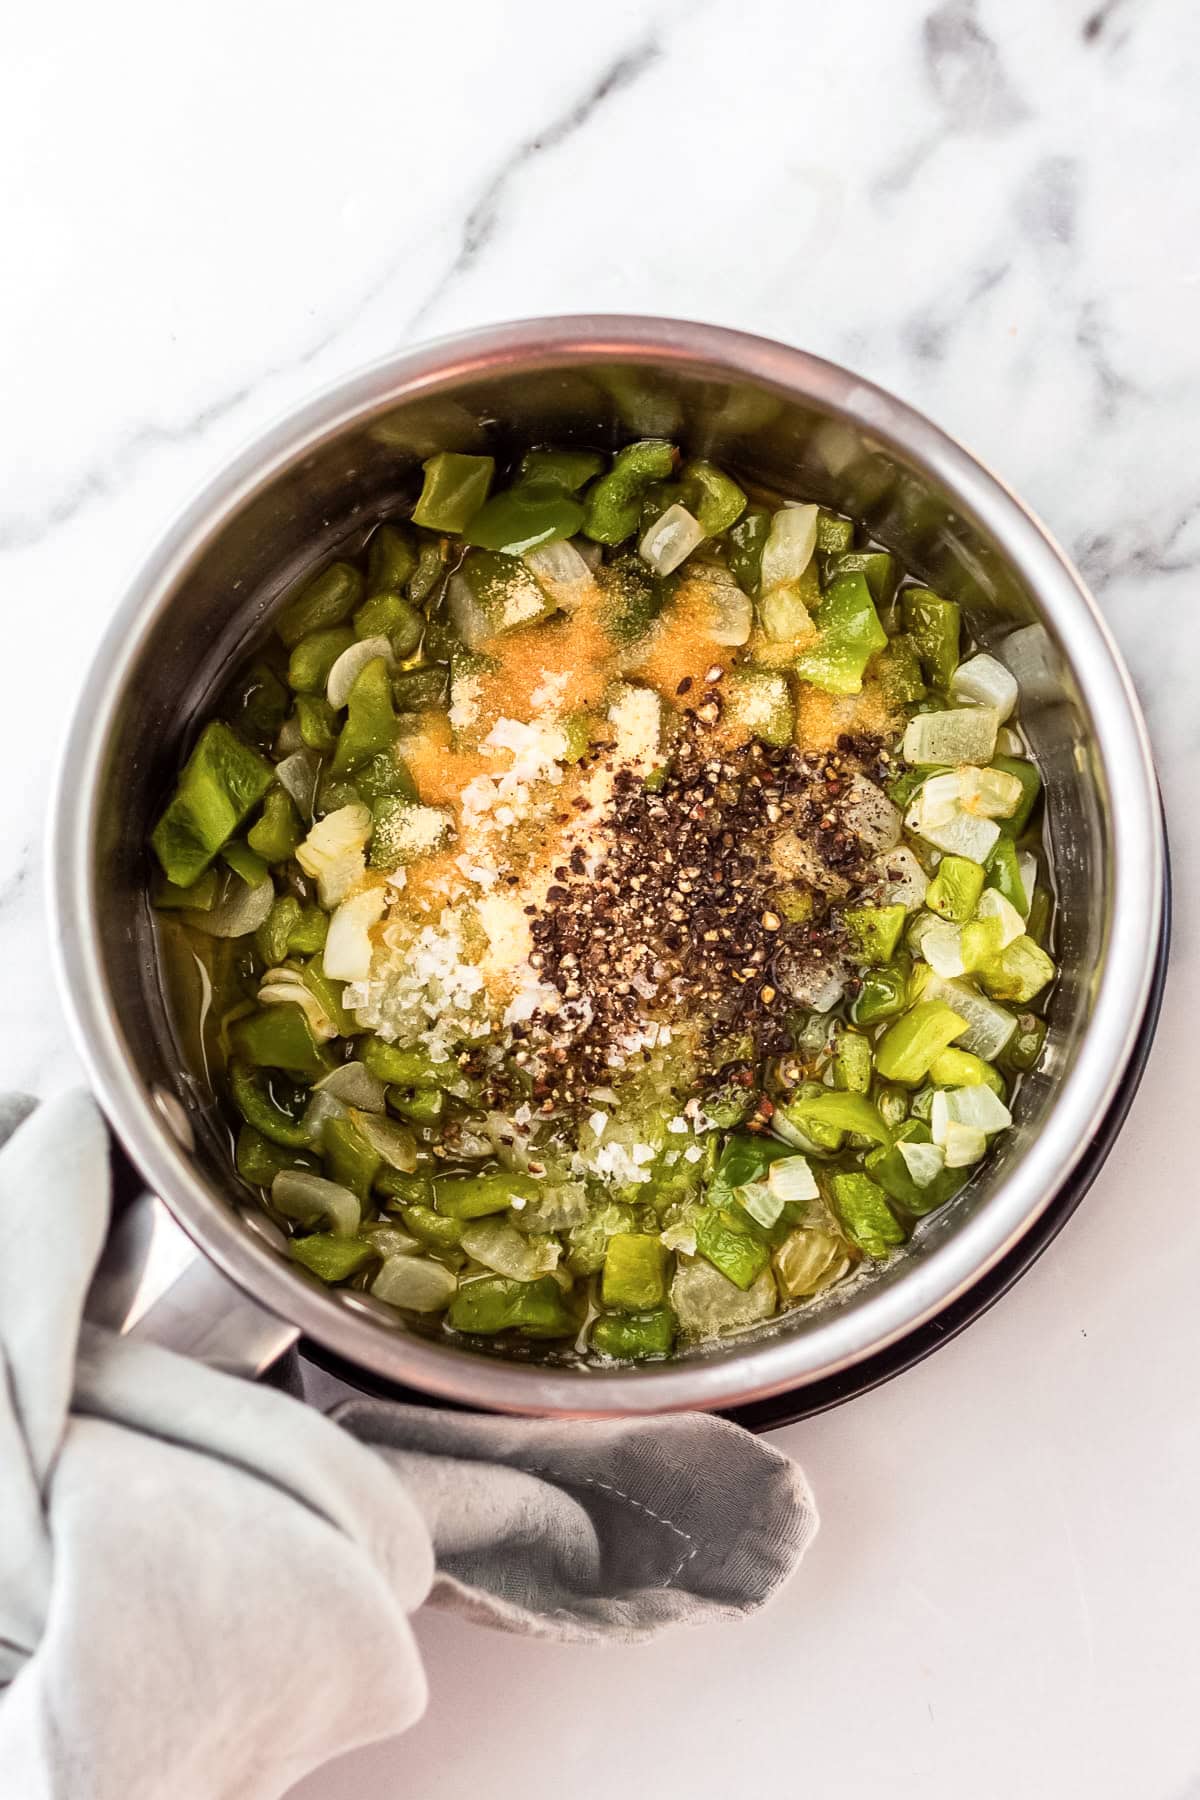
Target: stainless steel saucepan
223, 1286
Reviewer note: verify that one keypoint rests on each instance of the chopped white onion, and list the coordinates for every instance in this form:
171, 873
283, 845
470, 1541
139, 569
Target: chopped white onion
333, 852
989, 1026
790, 1178
354, 1085
789, 546
976, 1106
732, 613
671, 539
940, 943
317, 1114
297, 774
395, 1143
964, 1145
287, 987
299, 1195
1027, 868
866, 811
561, 570
350, 665
965, 735
942, 821
988, 793
924, 1162
500, 1246
763, 1205
900, 880
993, 905
982, 681
242, 910
415, 1283
466, 615
348, 948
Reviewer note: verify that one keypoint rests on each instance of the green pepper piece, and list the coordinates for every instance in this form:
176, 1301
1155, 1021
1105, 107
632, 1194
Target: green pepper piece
385, 776
318, 723
722, 1240
890, 1170
328, 994
402, 1068
331, 1258
222, 780
903, 790
959, 1068
309, 932
406, 1190
933, 624
349, 1158
849, 634
250, 1095
711, 496
908, 1047
1031, 786
566, 469
314, 656
747, 541
852, 1062
1019, 973
273, 935
898, 669
743, 1159
391, 616
1004, 874
835, 535
279, 828
333, 795
279, 1037
420, 690
391, 561
614, 501
370, 724
816, 1108
730, 1103
494, 1303
431, 565
877, 566
635, 598
245, 863
1037, 925
864, 1214
529, 514
431, 1228
635, 1272
631, 1337
420, 1106
874, 931
327, 600
455, 487
1024, 1047
883, 994
955, 889
258, 1160
256, 704
475, 1196
200, 897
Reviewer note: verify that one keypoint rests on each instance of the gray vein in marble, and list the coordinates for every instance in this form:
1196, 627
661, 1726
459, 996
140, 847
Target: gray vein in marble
1095, 28
13, 885
1139, 548
966, 73
1047, 204
481, 222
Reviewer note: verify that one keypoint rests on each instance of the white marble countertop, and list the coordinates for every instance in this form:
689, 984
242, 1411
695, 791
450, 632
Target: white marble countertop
989, 207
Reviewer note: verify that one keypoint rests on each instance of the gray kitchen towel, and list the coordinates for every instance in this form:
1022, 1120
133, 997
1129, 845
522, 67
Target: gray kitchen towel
206, 1586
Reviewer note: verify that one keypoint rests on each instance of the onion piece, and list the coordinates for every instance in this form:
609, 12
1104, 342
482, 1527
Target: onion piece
993, 905
241, 911
732, 613
763, 1205
348, 948
964, 1145
395, 1143
967, 734
287, 987
354, 1085
940, 943
559, 568
333, 852
789, 546
297, 775
982, 681
988, 793
989, 1026
501, 1247
1027, 867
866, 811
924, 1162
350, 665
415, 1283
943, 822
317, 1114
299, 1195
790, 1178
901, 879
976, 1106
671, 539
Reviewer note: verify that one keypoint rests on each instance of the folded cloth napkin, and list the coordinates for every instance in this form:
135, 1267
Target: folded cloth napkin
206, 1585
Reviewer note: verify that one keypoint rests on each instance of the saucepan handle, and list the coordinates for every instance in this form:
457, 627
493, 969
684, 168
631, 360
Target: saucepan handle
153, 1283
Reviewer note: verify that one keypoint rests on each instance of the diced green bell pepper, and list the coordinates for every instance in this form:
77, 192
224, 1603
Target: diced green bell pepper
278, 829
730, 1103
630, 1337
744, 1158
1019, 973
1031, 786
222, 780
454, 489
1025, 1045
758, 702
864, 1214
835, 535
328, 994
256, 705
259, 1159
385, 775
523, 517
370, 723
898, 670
314, 656
889, 1169
874, 932
475, 1196
431, 566
816, 1110
271, 938
494, 1303
327, 600
635, 1272
318, 723
934, 625
245, 863
747, 541
907, 1048
279, 1037
883, 994
349, 1158
849, 634
723, 1240
402, 1068
391, 562
248, 1088
711, 496
1004, 874
421, 690
635, 598
852, 1062
959, 1068
200, 897
331, 1258
614, 501
420, 1106
431, 1227
878, 568
955, 889
388, 614
569, 470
